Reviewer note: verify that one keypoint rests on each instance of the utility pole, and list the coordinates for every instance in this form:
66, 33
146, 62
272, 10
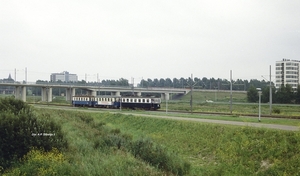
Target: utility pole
132, 81
26, 75
270, 101
15, 75
192, 86
270, 91
192, 93
230, 91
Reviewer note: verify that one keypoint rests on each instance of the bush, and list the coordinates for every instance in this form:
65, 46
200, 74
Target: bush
41, 163
114, 138
158, 156
13, 106
21, 130
276, 111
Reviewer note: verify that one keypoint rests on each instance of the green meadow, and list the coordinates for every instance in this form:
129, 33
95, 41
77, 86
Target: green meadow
118, 144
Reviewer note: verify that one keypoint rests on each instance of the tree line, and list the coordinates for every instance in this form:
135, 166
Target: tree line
283, 95
197, 83
204, 83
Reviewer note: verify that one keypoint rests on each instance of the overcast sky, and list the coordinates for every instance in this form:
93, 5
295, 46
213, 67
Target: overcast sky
147, 39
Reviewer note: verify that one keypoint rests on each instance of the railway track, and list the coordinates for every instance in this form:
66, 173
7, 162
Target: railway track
160, 115
204, 113
233, 114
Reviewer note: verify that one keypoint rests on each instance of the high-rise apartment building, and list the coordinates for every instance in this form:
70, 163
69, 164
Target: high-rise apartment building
64, 77
287, 72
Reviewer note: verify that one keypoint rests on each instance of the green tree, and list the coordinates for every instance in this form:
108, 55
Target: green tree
284, 94
252, 94
297, 95
123, 82
21, 130
266, 95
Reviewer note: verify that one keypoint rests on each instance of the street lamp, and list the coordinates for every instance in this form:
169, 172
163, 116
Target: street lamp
120, 103
166, 105
259, 100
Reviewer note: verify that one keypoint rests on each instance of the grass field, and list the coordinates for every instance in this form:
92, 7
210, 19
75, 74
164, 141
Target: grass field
216, 149
210, 149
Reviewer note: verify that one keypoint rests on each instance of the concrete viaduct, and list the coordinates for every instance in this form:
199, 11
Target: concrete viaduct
46, 90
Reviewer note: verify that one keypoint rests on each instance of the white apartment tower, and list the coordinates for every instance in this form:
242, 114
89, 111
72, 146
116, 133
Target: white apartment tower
64, 77
287, 72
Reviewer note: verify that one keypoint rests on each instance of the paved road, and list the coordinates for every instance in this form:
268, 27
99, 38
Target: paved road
259, 125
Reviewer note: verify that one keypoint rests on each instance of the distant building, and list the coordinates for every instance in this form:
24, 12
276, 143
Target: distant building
287, 72
64, 77
7, 80
7, 89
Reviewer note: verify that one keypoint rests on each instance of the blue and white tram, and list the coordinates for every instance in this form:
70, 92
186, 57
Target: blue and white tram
107, 101
141, 103
82, 101
149, 103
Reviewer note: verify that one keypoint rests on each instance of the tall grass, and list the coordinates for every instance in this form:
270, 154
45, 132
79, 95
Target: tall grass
218, 149
116, 144
97, 149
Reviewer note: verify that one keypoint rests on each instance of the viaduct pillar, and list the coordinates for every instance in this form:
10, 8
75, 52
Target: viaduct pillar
49, 94
70, 92
17, 92
20, 93
92, 92
165, 96
116, 93
46, 94
23, 89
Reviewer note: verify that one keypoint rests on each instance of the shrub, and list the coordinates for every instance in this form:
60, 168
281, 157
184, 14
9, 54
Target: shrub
158, 156
85, 117
113, 139
37, 162
21, 130
276, 111
14, 106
